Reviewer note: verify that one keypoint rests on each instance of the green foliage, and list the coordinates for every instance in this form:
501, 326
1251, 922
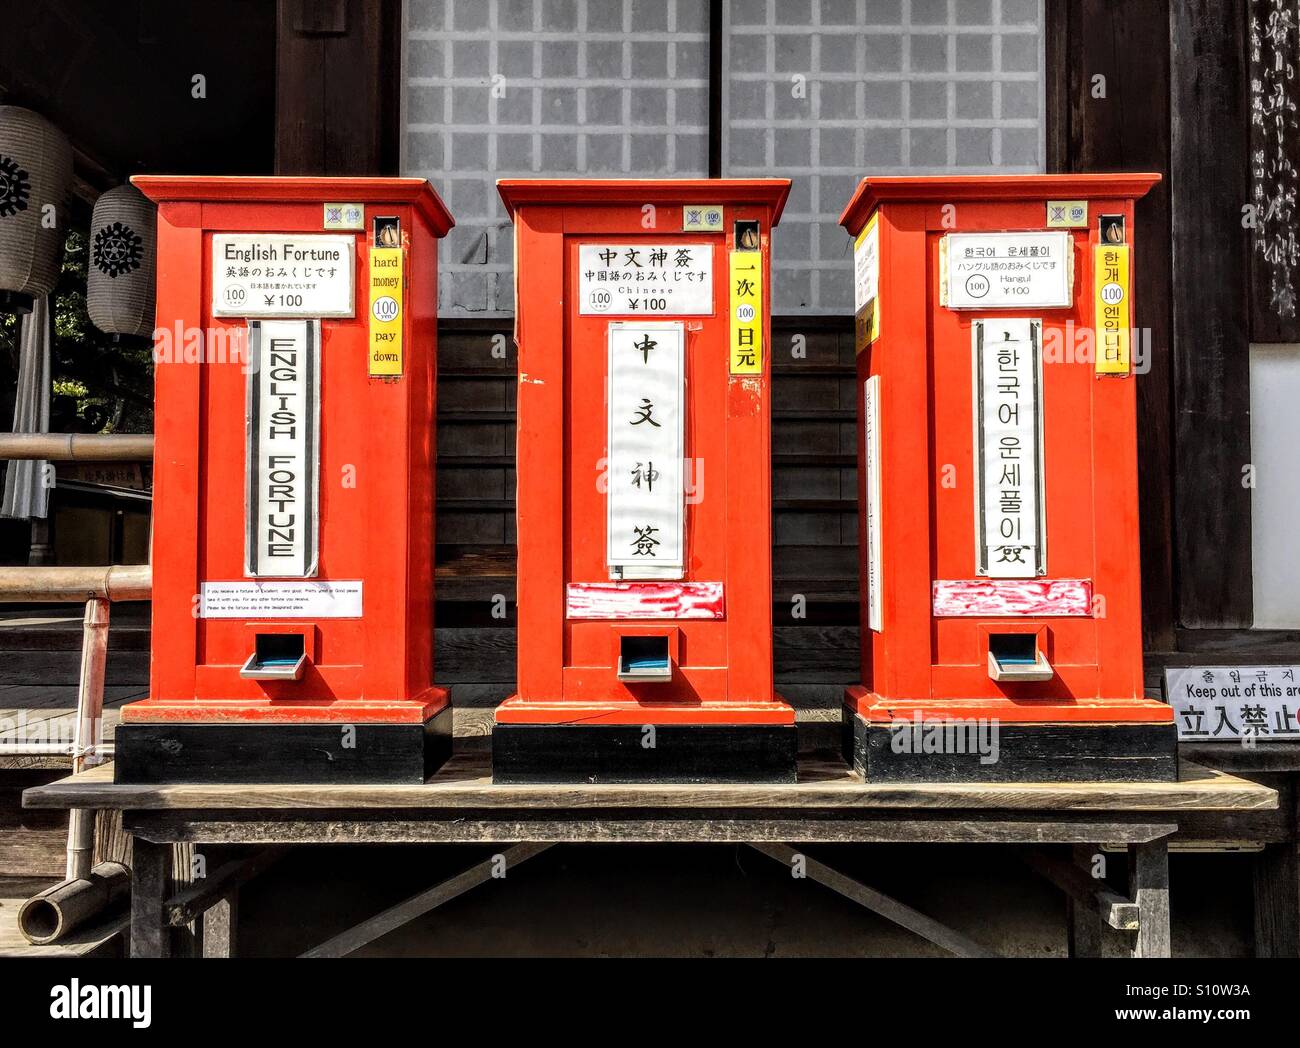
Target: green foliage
99, 385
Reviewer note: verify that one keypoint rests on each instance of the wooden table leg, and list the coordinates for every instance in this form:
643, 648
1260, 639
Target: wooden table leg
150, 876
1277, 901
1149, 887
219, 923
1083, 925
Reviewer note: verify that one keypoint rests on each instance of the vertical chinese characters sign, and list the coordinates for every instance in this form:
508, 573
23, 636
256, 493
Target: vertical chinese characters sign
283, 452
1274, 53
871, 447
1008, 448
746, 274
1110, 278
646, 512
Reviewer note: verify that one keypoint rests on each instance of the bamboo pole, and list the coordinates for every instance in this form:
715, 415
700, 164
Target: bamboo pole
78, 447
48, 584
68, 905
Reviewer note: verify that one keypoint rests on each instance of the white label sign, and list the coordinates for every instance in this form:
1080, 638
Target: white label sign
283, 275
645, 497
866, 266
631, 279
1006, 270
1242, 704
283, 452
280, 600
871, 444
1008, 448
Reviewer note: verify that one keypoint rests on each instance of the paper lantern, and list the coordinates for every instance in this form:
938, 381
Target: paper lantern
35, 173
120, 288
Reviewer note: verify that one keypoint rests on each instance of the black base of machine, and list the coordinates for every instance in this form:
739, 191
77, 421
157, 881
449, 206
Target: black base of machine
344, 754
1064, 752
677, 753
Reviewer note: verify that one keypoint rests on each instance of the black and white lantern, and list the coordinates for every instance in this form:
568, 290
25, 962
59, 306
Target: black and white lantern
120, 286
35, 174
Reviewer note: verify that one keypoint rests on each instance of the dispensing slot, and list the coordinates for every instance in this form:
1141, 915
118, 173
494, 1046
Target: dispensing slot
1015, 657
276, 656
745, 233
644, 659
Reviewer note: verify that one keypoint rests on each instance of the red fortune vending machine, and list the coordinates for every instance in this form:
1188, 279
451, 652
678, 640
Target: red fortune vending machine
644, 490
998, 490
293, 539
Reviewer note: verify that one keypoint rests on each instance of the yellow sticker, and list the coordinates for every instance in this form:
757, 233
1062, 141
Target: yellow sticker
1067, 214
1110, 281
387, 280
866, 285
746, 313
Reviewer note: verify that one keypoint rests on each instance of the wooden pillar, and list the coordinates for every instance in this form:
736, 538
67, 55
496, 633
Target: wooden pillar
1211, 358
338, 87
1084, 929
1108, 110
1148, 886
151, 867
219, 927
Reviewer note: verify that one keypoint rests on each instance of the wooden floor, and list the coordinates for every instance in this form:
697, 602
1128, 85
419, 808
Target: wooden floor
49, 714
824, 783
102, 939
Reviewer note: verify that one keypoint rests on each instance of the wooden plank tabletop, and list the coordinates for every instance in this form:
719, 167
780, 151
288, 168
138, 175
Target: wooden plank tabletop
824, 782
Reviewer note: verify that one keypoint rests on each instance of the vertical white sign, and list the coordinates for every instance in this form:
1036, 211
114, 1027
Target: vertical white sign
646, 511
283, 450
1008, 448
871, 445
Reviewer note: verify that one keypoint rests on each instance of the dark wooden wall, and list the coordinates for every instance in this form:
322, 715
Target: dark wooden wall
815, 600
1177, 78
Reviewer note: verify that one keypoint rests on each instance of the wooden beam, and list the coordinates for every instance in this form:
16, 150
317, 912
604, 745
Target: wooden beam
196, 899
877, 902
1277, 901
1083, 930
1108, 110
1211, 363
1120, 121
338, 87
151, 866
1058, 34
220, 926
1149, 886
1111, 907
395, 916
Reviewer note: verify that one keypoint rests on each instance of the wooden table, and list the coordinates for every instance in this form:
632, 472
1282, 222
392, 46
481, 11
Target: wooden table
829, 804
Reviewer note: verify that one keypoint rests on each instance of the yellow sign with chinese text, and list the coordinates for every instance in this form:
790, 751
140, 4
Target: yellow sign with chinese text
746, 273
1113, 312
387, 286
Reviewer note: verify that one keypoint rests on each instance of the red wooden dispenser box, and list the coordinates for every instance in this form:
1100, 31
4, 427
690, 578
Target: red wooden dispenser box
644, 491
293, 542
998, 484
